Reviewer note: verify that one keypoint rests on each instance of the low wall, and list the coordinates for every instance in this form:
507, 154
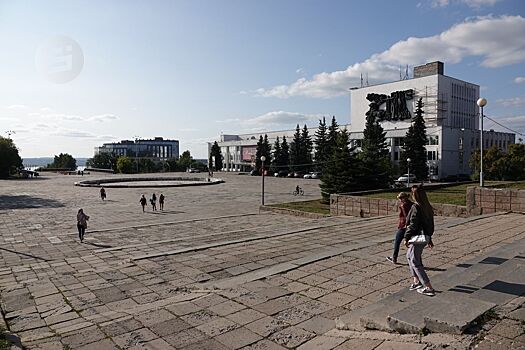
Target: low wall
490, 200
479, 201
365, 207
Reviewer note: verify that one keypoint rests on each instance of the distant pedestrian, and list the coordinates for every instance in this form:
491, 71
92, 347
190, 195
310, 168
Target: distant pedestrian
161, 201
420, 220
102, 193
153, 202
404, 207
143, 202
82, 220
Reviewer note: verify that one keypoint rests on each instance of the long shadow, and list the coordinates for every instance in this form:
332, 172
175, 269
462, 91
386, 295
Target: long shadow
24, 202
158, 212
98, 245
24, 254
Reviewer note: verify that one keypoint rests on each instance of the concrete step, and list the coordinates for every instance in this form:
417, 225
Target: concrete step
466, 291
447, 313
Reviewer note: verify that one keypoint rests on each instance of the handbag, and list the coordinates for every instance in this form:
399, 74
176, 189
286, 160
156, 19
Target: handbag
419, 239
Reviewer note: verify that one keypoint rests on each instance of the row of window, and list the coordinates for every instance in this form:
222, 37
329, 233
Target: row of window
431, 155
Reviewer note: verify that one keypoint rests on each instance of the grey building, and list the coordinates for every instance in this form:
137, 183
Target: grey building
157, 149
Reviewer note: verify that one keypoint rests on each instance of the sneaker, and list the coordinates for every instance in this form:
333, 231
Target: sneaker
392, 260
415, 286
427, 291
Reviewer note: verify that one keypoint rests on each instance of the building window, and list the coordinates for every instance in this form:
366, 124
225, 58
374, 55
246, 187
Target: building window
433, 140
396, 155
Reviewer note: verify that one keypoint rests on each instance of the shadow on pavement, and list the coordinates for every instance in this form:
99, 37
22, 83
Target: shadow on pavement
24, 202
24, 254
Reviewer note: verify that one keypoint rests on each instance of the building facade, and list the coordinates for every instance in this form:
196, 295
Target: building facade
450, 112
157, 149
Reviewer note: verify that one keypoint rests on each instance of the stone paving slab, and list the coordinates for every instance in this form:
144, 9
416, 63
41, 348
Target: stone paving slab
281, 290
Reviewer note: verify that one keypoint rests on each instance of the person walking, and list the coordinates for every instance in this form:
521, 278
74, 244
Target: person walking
82, 219
420, 220
161, 202
404, 207
102, 193
143, 202
153, 201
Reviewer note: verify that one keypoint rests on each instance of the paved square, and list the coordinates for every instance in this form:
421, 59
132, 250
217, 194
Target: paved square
209, 272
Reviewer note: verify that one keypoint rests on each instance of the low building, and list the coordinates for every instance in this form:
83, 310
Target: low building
157, 149
450, 112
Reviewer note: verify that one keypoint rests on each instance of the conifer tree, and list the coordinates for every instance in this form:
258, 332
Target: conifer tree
263, 149
306, 148
331, 139
374, 156
215, 153
321, 144
295, 149
276, 155
339, 174
414, 147
285, 154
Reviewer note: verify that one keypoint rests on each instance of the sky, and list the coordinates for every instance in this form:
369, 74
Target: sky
191, 70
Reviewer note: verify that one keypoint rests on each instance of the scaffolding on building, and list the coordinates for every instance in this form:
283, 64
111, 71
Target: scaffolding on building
434, 104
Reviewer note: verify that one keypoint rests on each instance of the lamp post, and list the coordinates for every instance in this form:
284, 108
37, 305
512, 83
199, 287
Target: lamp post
263, 158
482, 102
408, 177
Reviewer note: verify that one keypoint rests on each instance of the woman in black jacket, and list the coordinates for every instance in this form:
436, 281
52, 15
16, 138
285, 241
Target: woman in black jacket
420, 220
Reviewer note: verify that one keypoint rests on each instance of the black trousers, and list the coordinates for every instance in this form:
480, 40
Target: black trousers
81, 231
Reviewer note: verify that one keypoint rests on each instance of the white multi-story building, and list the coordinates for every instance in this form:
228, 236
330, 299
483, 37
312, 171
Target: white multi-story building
451, 117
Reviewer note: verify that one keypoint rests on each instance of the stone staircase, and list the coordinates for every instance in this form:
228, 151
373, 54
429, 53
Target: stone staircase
464, 293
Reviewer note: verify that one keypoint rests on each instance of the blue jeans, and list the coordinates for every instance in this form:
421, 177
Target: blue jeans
400, 234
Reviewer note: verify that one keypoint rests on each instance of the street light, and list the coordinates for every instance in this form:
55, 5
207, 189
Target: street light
408, 177
482, 102
263, 158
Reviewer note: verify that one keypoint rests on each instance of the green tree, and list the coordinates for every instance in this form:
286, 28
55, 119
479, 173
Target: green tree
103, 160
10, 160
414, 147
295, 150
306, 149
516, 162
217, 155
276, 155
331, 139
339, 175
125, 165
64, 161
285, 155
375, 163
263, 149
185, 161
321, 144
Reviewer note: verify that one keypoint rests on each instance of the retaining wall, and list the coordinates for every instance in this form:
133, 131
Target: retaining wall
479, 201
490, 200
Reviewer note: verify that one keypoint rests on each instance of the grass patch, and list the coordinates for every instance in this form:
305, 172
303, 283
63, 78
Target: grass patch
314, 206
451, 195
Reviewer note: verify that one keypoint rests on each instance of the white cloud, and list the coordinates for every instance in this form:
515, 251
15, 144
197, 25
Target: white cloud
479, 3
519, 80
440, 3
469, 3
275, 119
300, 71
72, 133
17, 107
497, 40
512, 102
102, 118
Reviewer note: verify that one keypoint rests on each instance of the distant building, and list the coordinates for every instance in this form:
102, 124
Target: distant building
451, 117
156, 149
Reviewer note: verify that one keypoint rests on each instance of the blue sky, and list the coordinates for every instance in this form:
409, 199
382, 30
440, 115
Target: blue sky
189, 70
